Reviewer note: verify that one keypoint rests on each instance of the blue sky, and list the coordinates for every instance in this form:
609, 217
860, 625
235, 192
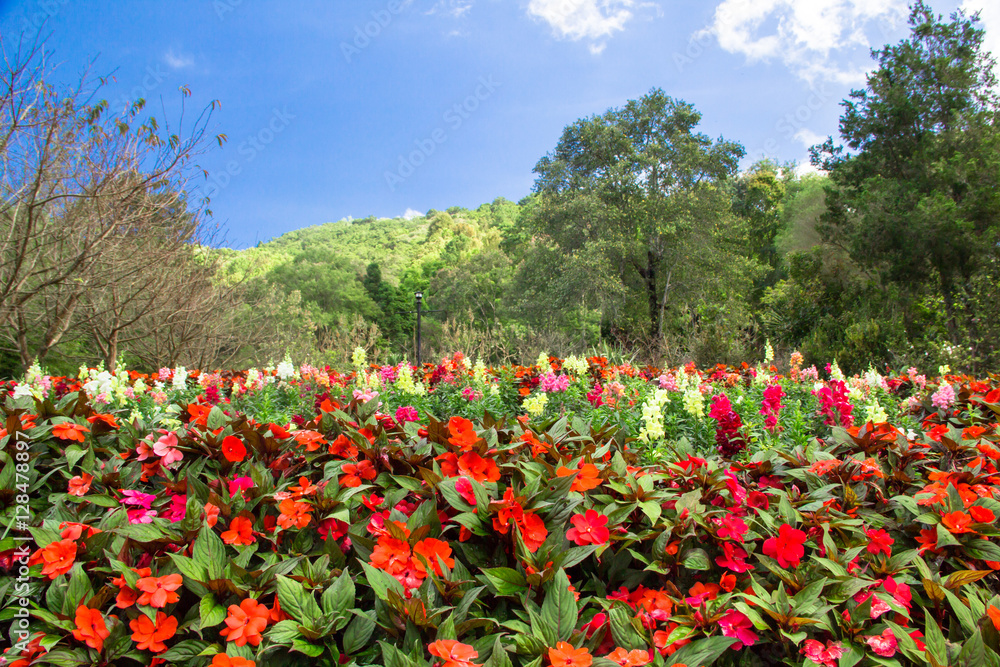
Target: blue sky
349, 108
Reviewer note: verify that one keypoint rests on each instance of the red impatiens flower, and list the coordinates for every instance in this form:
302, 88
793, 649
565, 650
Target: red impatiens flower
533, 531
482, 470
56, 558
564, 655
159, 591
353, 474
455, 654
233, 449
80, 485
240, 532
737, 624
150, 635
994, 615
885, 644
463, 433
294, 514
245, 623
69, 431
431, 549
879, 542
733, 558
90, 628
957, 522
982, 514
589, 528
827, 654
787, 547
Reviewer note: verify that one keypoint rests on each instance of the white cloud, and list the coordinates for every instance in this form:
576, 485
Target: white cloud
989, 13
177, 61
583, 19
411, 214
804, 34
809, 138
454, 8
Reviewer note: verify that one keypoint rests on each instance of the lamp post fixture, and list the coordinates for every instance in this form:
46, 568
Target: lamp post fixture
419, 296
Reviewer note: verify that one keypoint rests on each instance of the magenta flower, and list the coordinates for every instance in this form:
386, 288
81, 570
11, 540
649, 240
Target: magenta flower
141, 515
238, 485
737, 624
144, 500
407, 413
826, 655
178, 508
732, 558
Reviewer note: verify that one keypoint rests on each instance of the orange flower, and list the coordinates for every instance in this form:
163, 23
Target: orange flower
635, 658
538, 448
90, 628
482, 470
994, 615
240, 532
391, 555
564, 655
57, 558
455, 654
79, 485
151, 635
211, 514
69, 431
355, 473
982, 514
957, 522
533, 531
294, 514
311, 440
223, 660
431, 548
245, 623
159, 591
233, 449
199, 413
304, 488
463, 433
586, 476
343, 448
106, 420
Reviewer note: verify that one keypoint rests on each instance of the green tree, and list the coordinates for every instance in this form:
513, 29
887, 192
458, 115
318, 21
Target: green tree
915, 196
636, 189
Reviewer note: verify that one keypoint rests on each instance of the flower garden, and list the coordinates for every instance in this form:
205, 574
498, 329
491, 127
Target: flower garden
570, 513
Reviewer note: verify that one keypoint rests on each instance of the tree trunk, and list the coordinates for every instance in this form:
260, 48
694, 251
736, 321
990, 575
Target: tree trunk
652, 264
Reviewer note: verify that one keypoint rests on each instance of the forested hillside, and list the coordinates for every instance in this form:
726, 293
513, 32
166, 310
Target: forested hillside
642, 235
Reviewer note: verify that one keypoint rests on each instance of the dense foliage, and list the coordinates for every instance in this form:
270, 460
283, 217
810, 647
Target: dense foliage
571, 512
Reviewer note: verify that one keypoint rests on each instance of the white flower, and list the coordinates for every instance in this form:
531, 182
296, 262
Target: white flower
22, 390
286, 369
180, 378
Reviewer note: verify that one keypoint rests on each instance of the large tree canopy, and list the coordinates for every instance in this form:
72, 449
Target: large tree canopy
915, 197
642, 188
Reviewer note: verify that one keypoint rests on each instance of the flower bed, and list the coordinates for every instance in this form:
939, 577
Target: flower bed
569, 513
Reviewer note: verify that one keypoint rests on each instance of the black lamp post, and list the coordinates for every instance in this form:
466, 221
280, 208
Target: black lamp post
419, 296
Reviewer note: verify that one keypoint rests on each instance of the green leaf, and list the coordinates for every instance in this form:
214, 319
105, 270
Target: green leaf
702, 651
338, 598
210, 552
393, 657
505, 580
216, 419
297, 601
452, 496
210, 612
559, 608
359, 631
499, 657
934, 640
622, 629
283, 632
303, 646
696, 559
78, 591
380, 582
183, 651
189, 568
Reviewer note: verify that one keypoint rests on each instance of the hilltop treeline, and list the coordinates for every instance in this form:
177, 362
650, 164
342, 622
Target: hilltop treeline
642, 236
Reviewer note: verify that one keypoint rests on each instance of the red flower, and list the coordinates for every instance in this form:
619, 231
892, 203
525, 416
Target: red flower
355, 473
589, 528
787, 547
240, 532
564, 655
150, 635
737, 624
431, 549
982, 514
223, 660
80, 485
455, 654
233, 449
957, 522
533, 531
69, 431
482, 470
880, 542
463, 433
56, 558
885, 644
733, 558
245, 623
90, 628
294, 514
159, 591
994, 615
635, 658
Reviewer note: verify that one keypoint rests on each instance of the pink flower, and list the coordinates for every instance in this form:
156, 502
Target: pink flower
238, 485
178, 508
144, 450
737, 624
944, 397
407, 413
772, 405
884, 644
826, 655
141, 516
166, 449
589, 528
144, 500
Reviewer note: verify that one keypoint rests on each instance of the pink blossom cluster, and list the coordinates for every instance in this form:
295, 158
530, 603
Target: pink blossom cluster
772, 405
668, 381
407, 413
835, 408
944, 397
728, 439
551, 383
